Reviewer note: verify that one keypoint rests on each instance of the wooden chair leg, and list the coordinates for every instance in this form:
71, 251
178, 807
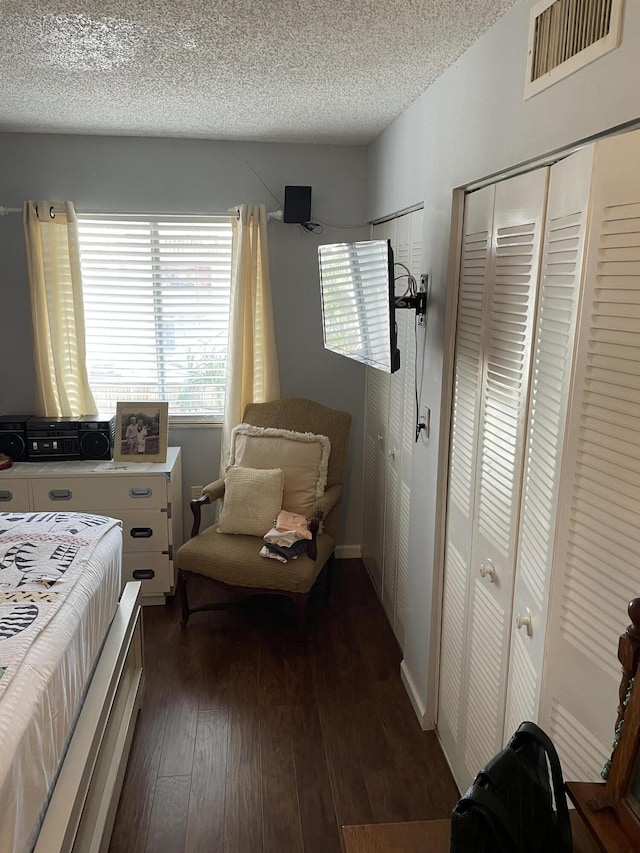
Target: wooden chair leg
328, 577
184, 601
302, 608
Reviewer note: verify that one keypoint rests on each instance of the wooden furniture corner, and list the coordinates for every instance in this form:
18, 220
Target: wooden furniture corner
429, 836
611, 810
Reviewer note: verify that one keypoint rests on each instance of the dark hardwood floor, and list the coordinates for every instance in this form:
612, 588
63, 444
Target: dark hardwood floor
246, 744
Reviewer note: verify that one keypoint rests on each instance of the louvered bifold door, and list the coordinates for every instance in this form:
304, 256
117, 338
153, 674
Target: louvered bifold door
517, 239
375, 455
597, 561
377, 403
402, 416
416, 265
467, 384
558, 298
400, 245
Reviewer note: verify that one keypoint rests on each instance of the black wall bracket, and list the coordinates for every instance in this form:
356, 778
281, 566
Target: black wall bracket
417, 301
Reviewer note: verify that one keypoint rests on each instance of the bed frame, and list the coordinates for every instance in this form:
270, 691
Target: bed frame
83, 804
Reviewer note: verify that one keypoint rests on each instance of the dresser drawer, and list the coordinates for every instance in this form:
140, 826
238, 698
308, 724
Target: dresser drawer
14, 495
147, 530
154, 570
93, 494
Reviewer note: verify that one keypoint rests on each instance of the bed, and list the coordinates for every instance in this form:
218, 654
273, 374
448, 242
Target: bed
71, 679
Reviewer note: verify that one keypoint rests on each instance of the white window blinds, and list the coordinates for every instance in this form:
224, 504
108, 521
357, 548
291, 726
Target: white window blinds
156, 300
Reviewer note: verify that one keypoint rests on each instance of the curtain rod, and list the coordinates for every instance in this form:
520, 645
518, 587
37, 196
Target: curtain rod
5, 211
275, 215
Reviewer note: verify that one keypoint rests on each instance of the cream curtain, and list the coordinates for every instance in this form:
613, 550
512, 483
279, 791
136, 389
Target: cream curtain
252, 366
53, 258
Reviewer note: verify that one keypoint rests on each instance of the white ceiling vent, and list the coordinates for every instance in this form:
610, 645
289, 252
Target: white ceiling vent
565, 35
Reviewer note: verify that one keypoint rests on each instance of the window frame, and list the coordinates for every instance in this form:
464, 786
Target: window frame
176, 420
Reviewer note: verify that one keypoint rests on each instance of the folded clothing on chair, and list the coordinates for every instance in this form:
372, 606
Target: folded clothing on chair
285, 552
288, 538
288, 524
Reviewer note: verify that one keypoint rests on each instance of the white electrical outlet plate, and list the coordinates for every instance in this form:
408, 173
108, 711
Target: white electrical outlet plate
425, 420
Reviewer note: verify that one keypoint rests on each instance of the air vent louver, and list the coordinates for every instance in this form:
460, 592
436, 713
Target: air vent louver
565, 35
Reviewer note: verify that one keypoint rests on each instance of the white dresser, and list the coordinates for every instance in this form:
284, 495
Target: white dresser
146, 497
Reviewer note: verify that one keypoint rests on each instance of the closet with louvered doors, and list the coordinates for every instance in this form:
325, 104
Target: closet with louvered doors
389, 438
574, 516
596, 566
502, 237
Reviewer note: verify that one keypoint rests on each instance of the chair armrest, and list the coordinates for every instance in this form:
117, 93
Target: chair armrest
210, 493
214, 490
326, 502
322, 507
314, 526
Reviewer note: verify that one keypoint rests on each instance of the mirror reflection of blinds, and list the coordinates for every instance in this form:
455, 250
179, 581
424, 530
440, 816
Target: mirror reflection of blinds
356, 300
156, 301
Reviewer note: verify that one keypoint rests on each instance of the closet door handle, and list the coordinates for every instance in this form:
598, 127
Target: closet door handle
523, 620
487, 570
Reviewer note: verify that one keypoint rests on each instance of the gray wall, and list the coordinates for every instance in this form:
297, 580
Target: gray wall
472, 123
125, 174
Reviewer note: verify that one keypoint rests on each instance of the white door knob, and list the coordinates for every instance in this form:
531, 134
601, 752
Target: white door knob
523, 620
487, 570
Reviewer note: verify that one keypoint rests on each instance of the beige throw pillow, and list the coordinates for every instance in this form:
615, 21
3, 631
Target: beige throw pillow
252, 500
303, 456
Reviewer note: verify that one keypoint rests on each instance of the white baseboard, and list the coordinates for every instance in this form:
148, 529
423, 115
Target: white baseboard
416, 703
349, 552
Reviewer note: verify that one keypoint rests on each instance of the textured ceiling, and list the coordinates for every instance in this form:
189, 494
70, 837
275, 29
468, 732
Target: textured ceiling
334, 71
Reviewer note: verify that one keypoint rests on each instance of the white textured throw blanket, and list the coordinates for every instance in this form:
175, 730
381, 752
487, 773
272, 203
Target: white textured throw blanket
41, 555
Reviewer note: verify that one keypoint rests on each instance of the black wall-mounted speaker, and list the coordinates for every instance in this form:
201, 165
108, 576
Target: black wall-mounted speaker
297, 204
13, 436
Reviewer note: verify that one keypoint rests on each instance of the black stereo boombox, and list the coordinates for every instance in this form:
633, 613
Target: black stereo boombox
26, 438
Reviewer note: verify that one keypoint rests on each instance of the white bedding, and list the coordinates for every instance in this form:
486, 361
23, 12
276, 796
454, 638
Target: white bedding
40, 703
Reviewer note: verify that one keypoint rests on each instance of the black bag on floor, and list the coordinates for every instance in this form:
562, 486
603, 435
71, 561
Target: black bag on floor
516, 803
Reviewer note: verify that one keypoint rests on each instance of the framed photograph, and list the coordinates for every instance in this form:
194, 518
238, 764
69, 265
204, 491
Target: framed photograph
141, 432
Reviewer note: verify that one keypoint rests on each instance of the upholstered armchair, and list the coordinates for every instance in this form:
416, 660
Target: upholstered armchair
280, 438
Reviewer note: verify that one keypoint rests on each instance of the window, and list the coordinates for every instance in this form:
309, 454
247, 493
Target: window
156, 302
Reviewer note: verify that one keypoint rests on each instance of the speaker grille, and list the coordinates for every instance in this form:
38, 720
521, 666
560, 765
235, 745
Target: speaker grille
95, 445
13, 444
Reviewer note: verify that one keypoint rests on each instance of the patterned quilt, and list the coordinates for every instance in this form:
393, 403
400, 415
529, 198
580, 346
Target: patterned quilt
41, 556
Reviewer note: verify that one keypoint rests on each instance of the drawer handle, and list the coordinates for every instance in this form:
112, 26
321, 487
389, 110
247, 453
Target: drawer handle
140, 492
6, 495
60, 495
141, 532
143, 574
